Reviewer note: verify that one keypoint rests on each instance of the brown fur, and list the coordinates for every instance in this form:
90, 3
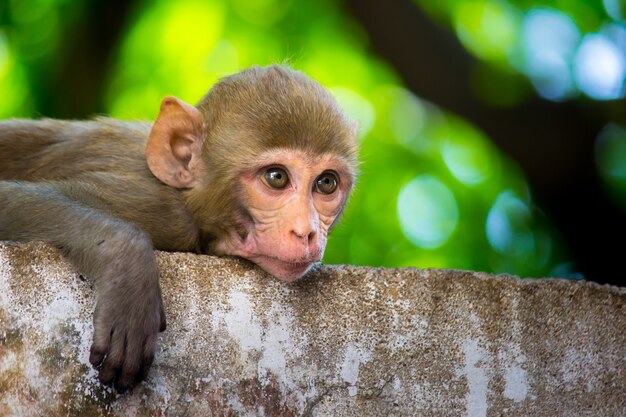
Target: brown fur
255, 110
86, 187
101, 164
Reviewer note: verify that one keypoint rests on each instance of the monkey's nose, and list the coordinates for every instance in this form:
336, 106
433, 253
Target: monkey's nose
304, 236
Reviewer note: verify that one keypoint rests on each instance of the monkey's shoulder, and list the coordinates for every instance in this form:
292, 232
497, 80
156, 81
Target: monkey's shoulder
112, 129
45, 132
50, 149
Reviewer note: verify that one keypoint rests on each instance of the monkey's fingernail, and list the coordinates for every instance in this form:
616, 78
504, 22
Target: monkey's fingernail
96, 360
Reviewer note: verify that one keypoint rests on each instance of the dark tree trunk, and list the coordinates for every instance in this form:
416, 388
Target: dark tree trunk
72, 82
552, 142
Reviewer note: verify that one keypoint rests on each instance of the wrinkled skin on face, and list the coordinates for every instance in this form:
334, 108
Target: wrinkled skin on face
265, 162
284, 230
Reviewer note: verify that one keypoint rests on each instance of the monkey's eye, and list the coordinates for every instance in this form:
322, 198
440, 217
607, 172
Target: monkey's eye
276, 178
326, 183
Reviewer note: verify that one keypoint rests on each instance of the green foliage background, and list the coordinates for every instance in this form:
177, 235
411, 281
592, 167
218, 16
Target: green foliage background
433, 190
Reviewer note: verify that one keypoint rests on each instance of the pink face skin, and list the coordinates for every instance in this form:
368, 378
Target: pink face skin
287, 227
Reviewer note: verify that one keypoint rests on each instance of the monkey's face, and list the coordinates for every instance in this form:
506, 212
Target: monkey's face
267, 160
289, 201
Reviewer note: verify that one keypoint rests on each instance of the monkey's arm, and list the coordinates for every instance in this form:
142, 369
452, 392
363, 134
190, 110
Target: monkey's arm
118, 257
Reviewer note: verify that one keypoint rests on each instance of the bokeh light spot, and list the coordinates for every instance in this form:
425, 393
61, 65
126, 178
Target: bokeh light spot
508, 226
467, 157
549, 43
546, 29
407, 117
487, 28
615, 8
600, 68
427, 211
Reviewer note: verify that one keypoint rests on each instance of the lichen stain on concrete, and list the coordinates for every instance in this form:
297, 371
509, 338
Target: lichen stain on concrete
59, 352
354, 356
578, 367
52, 381
406, 327
273, 336
480, 368
241, 323
512, 360
515, 376
476, 371
47, 359
244, 398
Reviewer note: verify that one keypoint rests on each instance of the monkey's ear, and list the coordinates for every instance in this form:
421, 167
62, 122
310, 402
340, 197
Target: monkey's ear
174, 146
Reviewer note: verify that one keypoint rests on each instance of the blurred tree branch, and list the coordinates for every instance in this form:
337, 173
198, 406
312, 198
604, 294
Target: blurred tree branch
552, 142
72, 83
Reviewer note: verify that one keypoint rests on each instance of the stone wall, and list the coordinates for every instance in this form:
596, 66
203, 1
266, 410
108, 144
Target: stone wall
345, 341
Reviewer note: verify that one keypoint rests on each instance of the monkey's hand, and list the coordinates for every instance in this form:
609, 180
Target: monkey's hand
129, 311
117, 255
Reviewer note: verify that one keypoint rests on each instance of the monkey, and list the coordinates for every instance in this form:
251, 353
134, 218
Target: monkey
261, 168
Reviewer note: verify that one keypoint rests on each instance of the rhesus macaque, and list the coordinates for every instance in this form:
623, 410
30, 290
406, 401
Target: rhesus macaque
261, 168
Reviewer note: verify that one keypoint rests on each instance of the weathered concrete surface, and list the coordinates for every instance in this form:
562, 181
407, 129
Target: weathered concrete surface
345, 341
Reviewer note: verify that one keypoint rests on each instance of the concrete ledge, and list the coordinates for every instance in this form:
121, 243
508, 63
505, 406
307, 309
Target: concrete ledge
346, 341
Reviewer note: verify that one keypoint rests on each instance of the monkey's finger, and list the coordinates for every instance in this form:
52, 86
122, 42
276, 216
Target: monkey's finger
101, 339
97, 353
148, 357
114, 359
126, 377
133, 364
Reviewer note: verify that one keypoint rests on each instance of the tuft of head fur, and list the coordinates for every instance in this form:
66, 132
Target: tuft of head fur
259, 109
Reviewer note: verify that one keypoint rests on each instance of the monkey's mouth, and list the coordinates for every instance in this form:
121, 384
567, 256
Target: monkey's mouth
284, 270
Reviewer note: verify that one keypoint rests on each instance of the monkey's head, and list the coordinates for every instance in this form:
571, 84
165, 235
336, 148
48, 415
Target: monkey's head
267, 160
